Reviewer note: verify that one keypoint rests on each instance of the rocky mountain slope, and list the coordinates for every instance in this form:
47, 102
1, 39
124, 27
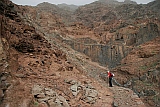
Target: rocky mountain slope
155, 5
120, 27
35, 73
47, 55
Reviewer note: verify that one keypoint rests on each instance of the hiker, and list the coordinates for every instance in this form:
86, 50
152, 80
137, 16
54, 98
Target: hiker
110, 76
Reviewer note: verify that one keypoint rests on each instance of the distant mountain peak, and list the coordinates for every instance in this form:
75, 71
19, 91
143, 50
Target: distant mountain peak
130, 2
116, 2
68, 7
46, 4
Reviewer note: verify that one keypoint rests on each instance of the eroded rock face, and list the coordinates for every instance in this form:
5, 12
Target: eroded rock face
118, 48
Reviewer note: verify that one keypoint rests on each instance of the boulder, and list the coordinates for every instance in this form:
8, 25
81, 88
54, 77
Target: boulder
41, 95
74, 89
37, 89
1, 94
45, 99
43, 104
63, 100
48, 95
50, 92
149, 92
91, 93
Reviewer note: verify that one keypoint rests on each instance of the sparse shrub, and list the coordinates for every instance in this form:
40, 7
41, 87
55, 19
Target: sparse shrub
35, 103
143, 67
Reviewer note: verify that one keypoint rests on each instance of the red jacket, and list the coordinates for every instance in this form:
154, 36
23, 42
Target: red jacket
110, 74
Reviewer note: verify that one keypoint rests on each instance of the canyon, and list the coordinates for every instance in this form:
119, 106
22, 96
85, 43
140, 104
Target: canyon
59, 55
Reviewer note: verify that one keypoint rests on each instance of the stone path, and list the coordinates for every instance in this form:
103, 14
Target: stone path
124, 97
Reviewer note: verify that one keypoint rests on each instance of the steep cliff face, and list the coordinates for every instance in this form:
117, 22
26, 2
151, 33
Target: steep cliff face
119, 46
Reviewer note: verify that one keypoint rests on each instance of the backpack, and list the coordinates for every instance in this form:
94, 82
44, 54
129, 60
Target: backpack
112, 75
